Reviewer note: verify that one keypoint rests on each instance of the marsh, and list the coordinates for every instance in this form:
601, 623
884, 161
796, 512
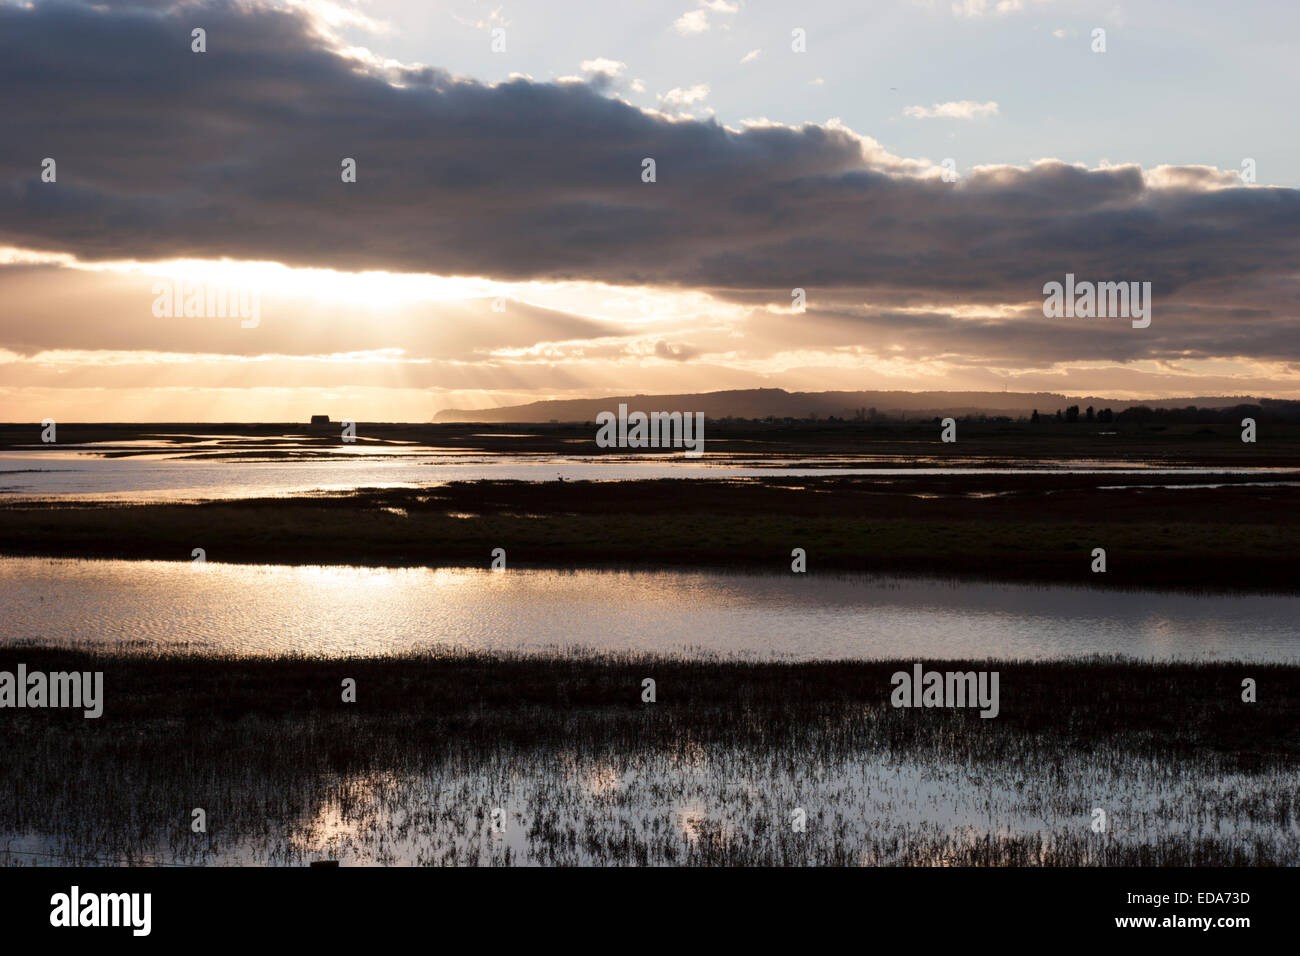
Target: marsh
506, 759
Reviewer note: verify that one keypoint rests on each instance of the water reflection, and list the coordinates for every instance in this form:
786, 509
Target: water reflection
332, 611
84, 475
868, 809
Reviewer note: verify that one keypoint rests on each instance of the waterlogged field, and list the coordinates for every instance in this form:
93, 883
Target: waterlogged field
168, 463
511, 760
502, 717
91, 474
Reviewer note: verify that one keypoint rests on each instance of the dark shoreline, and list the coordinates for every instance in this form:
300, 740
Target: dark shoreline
1032, 528
1157, 704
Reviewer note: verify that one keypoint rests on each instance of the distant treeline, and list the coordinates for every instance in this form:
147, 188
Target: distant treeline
1268, 411
1272, 411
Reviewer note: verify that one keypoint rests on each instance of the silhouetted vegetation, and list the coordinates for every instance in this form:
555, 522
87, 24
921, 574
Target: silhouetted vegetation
586, 772
1025, 527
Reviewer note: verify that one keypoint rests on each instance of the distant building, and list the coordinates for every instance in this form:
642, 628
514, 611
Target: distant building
320, 419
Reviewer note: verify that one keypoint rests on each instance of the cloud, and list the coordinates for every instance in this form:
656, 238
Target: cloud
293, 323
236, 154
959, 109
697, 21
677, 97
604, 75
693, 21
602, 66
674, 353
750, 56
494, 19
978, 8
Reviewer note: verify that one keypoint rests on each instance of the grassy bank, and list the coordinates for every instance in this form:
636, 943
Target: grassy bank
1008, 528
585, 771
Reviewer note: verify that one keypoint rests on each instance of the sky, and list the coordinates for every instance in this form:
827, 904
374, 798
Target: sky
432, 205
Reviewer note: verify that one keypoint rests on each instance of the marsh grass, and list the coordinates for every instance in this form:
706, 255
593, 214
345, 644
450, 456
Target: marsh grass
586, 773
1028, 527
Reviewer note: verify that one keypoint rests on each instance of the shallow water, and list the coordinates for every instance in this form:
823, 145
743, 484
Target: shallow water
332, 611
82, 472
727, 804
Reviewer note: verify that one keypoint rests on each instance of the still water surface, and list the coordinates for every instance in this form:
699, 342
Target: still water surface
273, 609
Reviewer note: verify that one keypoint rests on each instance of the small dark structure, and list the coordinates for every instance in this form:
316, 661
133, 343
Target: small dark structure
320, 419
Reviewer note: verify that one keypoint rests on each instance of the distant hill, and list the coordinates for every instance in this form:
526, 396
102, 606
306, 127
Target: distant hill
778, 403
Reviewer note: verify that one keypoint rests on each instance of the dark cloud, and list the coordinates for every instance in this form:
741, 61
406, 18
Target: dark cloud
163, 153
